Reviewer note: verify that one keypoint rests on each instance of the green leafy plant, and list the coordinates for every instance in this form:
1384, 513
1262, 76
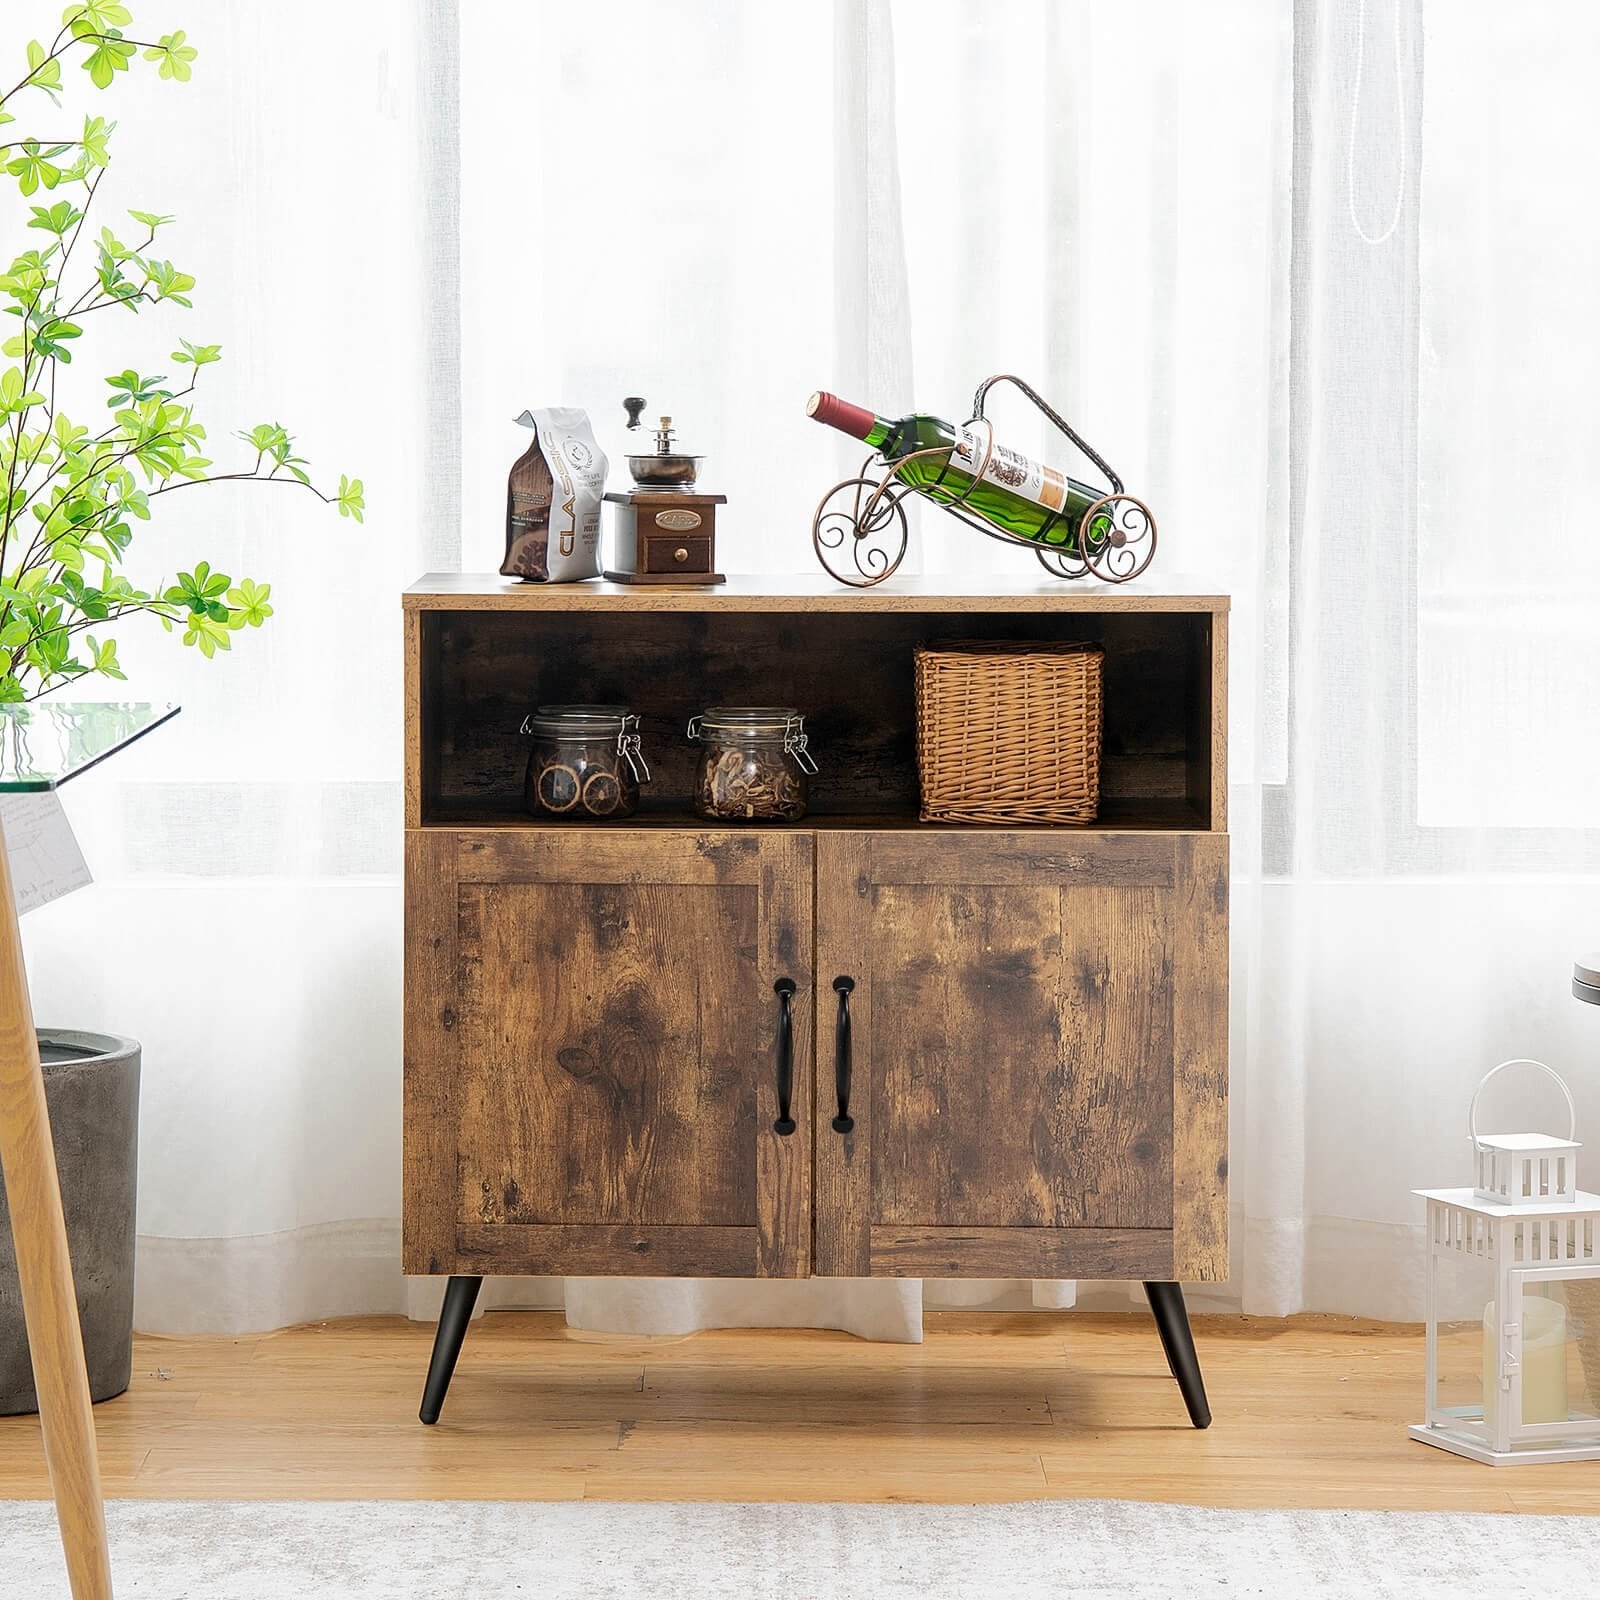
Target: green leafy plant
76, 493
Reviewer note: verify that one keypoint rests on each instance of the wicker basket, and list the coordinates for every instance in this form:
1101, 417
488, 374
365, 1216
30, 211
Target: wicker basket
1009, 731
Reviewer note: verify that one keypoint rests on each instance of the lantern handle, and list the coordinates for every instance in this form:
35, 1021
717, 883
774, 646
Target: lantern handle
1521, 1061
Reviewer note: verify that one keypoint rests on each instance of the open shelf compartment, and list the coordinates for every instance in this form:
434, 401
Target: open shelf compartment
479, 669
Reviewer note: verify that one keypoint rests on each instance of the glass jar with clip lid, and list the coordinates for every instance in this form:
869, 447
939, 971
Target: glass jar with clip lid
585, 762
755, 766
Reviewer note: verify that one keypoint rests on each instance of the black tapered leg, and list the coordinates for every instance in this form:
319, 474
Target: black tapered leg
460, 1295
1172, 1323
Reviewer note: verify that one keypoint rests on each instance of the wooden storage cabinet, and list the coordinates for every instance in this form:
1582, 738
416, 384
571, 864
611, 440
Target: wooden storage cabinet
1002, 1051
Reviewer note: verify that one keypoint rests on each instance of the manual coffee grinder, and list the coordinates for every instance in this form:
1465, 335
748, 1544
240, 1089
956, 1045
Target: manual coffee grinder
663, 530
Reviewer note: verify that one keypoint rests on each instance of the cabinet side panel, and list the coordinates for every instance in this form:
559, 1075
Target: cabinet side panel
1207, 716
842, 1189
430, 1052
1200, 1060
412, 621
1219, 721
783, 1162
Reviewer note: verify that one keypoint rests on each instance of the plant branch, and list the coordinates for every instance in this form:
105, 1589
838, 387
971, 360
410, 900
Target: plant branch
56, 144
100, 463
154, 605
83, 217
243, 477
78, 306
84, 488
58, 50
29, 352
55, 54
96, 468
38, 450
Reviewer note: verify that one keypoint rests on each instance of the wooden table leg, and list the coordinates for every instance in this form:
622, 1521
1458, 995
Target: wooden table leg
49, 1304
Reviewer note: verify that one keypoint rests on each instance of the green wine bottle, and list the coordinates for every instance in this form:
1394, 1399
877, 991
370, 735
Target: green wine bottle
1023, 497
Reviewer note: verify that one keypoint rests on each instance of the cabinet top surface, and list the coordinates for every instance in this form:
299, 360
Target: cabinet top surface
478, 591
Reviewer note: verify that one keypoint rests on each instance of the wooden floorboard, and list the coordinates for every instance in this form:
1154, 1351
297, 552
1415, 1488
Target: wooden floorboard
1311, 1411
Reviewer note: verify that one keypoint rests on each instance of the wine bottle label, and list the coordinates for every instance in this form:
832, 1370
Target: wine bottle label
1008, 470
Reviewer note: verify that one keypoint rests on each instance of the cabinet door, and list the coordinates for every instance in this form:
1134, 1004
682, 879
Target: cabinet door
1037, 1045
593, 1044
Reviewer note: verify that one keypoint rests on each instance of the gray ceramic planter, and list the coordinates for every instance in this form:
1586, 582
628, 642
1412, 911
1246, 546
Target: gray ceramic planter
91, 1085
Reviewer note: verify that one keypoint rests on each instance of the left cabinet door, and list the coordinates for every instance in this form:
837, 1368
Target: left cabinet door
595, 1052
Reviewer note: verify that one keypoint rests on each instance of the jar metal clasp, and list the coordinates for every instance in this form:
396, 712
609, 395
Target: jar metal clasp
629, 749
794, 744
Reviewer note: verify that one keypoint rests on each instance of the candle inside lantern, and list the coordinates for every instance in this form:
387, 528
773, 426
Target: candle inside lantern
1544, 1361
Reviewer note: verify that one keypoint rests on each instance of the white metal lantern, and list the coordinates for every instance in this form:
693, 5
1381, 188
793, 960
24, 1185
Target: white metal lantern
1512, 1299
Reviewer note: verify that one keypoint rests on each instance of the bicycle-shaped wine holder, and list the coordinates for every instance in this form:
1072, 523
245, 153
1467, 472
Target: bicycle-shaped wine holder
861, 534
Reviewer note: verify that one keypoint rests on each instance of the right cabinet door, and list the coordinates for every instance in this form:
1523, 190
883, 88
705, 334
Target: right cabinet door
1021, 1054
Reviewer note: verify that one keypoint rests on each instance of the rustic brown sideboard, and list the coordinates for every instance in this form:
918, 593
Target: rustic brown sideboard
1006, 1047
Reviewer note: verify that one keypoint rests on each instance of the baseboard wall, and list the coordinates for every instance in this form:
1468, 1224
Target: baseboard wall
352, 1268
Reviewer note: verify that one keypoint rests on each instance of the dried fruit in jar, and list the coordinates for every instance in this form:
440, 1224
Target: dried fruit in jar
751, 786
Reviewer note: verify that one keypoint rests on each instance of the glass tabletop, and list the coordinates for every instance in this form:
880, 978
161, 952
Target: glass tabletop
44, 744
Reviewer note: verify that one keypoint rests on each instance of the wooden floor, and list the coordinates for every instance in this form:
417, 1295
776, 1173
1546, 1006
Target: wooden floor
1309, 1412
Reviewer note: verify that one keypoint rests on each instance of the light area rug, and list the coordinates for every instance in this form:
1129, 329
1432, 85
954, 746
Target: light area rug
1088, 1550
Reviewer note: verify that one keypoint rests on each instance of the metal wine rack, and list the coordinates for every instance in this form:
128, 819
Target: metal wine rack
863, 518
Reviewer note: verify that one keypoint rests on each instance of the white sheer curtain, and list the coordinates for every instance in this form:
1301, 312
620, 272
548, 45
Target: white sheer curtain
1314, 276
1428, 847
724, 207
892, 202
245, 925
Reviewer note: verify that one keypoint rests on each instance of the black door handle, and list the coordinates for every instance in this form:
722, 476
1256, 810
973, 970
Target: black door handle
844, 1122
784, 989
